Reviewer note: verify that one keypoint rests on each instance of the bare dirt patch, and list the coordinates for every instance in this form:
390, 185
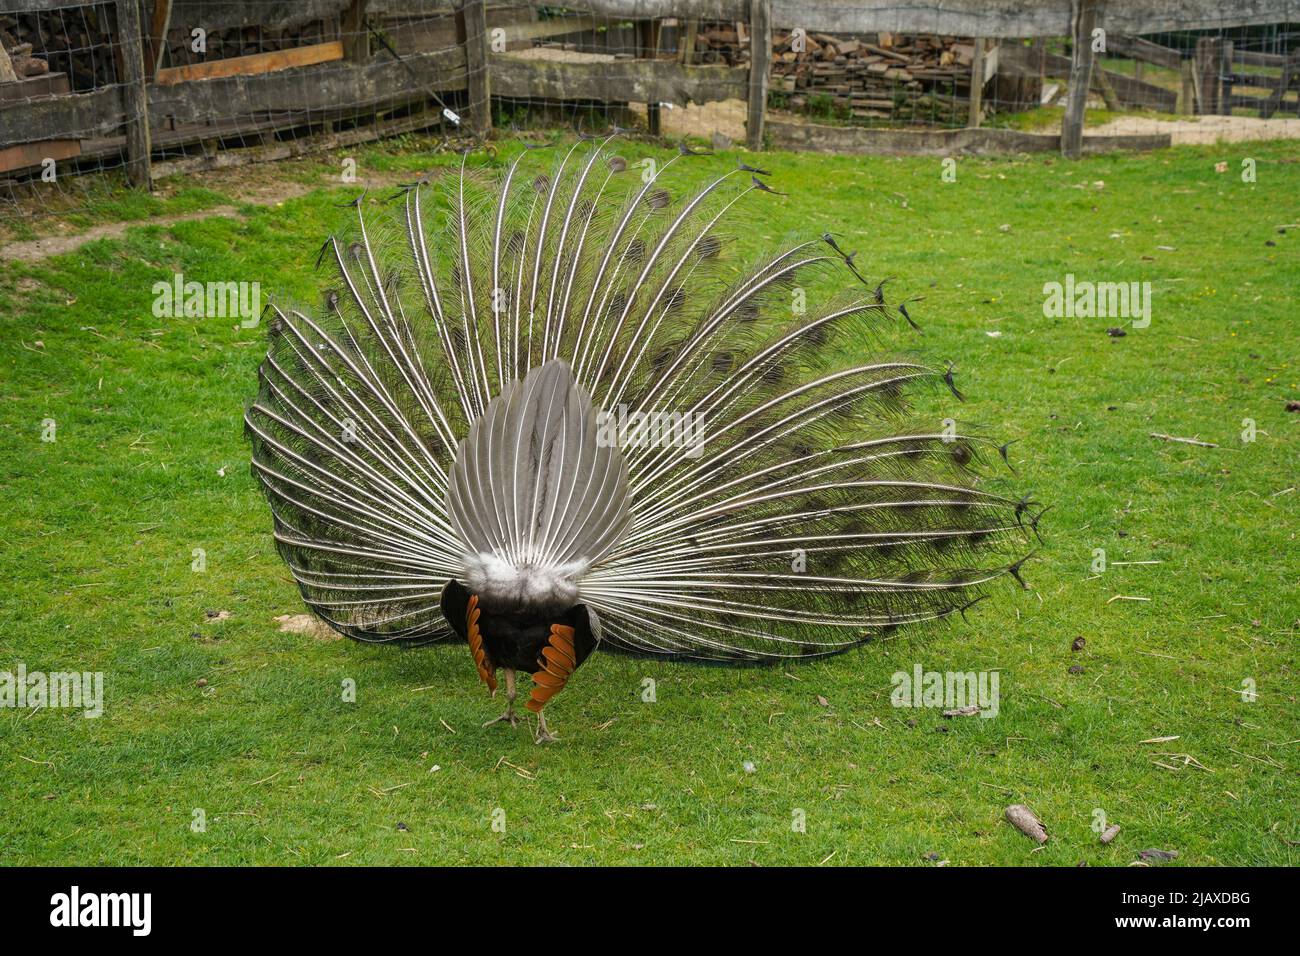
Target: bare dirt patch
1204, 130
309, 625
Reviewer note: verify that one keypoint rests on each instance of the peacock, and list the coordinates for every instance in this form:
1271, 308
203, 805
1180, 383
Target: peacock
547, 407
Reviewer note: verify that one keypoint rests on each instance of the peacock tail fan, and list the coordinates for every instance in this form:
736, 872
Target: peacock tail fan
717, 474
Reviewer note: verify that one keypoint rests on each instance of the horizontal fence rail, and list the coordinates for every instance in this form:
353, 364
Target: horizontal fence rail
151, 86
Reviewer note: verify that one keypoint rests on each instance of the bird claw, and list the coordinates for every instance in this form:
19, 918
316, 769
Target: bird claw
544, 736
508, 717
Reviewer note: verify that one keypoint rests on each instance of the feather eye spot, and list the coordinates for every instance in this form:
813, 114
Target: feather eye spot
635, 251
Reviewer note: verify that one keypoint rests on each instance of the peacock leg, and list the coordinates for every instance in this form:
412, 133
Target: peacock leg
544, 736
509, 717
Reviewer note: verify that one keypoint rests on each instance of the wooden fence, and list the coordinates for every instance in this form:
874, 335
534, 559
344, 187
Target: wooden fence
353, 71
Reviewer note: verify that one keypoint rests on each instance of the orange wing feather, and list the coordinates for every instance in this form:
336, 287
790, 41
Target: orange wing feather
558, 663
486, 669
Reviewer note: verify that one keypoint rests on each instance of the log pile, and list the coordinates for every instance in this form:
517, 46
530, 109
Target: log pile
866, 77
886, 76
57, 42
245, 41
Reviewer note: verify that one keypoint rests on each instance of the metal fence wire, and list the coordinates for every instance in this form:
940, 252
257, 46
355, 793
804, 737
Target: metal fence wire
92, 93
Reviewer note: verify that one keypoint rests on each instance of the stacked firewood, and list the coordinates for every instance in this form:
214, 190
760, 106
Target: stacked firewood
74, 41
243, 41
870, 76
722, 43
885, 76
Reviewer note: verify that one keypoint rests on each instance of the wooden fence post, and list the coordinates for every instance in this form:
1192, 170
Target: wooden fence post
1086, 15
474, 14
648, 40
135, 99
976, 85
352, 30
153, 56
760, 62
1208, 76
1225, 78
686, 42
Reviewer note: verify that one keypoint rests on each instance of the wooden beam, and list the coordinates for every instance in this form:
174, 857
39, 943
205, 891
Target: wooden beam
76, 116
478, 71
254, 64
353, 32
31, 155
760, 67
1209, 88
1187, 92
135, 100
161, 22
556, 26
326, 86
1002, 18
976, 85
686, 45
7, 74
1290, 70
1143, 51
1125, 88
1086, 15
941, 142
637, 81
648, 40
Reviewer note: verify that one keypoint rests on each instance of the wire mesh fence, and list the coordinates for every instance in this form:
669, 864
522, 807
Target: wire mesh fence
93, 94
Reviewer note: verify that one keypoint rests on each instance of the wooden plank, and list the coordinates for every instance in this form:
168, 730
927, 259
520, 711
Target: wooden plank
47, 84
990, 18
617, 80
254, 64
941, 142
760, 68
1012, 18
30, 155
1085, 20
62, 117
1143, 51
135, 101
1251, 58
353, 33
556, 26
1290, 70
310, 89
476, 65
329, 86
160, 23
304, 146
1127, 89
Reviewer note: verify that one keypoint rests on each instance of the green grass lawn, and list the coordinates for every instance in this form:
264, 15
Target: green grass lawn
248, 725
